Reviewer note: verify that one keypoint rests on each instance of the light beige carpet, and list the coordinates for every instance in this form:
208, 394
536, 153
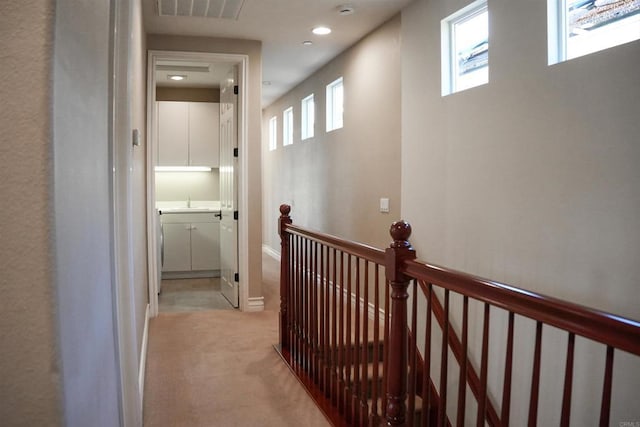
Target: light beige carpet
219, 368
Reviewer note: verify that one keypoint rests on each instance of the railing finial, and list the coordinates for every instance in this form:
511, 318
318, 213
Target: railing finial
285, 209
400, 232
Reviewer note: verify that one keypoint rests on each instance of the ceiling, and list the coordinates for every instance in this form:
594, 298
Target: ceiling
281, 25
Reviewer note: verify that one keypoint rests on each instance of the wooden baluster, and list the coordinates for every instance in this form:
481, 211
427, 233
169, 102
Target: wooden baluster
535, 380
426, 374
376, 346
568, 383
294, 301
484, 363
385, 332
364, 410
413, 350
303, 306
508, 367
444, 359
299, 290
355, 361
349, 347
462, 381
399, 251
334, 333
605, 407
341, 350
314, 312
322, 343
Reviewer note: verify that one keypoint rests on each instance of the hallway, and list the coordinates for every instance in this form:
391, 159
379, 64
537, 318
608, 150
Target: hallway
219, 368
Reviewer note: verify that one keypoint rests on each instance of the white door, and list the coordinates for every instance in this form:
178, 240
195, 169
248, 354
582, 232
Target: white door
228, 188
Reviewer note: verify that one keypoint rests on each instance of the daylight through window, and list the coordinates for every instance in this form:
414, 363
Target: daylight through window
273, 133
581, 27
335, 101
287, 126
308, 117
465, 48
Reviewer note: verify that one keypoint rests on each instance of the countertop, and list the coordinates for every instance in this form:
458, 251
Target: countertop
188, 206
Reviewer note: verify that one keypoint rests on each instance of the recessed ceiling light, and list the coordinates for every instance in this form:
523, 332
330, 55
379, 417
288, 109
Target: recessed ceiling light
321, 31
307, 42
176, 77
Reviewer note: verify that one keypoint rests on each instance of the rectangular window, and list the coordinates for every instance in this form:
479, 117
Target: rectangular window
287, 126
465, 48
580, 27
308, 117
335, 104
273, 133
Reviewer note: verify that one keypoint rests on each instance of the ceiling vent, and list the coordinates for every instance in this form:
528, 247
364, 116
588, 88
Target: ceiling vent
223, 9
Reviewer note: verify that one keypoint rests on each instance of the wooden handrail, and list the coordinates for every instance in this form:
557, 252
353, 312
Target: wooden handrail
358, 249
321, 279
596, 325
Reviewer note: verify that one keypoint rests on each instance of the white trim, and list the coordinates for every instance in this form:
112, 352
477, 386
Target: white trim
143, 356
243, 179
255, 304
242, 61
271, 252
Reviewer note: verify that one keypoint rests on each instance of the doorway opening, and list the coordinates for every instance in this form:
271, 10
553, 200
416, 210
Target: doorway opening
201, 188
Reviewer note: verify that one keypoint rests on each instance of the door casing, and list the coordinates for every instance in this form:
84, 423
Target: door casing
242, 62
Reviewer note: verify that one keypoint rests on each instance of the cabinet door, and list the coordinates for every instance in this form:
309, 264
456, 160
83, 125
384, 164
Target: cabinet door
205, 246
204, 134
173, 133
177, 247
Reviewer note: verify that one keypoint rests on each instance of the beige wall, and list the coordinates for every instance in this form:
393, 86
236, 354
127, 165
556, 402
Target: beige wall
187, 94
334, 180
531, 179
254, 209
29, 366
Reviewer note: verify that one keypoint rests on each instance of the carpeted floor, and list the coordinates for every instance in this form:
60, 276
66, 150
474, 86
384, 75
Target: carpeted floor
219, 368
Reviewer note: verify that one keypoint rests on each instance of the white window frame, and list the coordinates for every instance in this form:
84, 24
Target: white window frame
557, 29
448, 48
307, 118
273, 133
335, 104
287, 127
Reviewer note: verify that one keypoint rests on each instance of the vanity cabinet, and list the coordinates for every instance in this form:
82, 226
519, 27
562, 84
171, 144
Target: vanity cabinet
191, 244
188, 134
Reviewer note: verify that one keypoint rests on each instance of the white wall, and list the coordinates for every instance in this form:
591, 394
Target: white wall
82, 214
334, 180
533, 178
183, 185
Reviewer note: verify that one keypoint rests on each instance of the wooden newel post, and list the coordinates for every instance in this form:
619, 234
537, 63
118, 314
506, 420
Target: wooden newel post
284, 276
399, 251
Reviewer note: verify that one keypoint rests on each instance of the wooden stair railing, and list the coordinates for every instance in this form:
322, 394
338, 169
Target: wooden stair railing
359, 327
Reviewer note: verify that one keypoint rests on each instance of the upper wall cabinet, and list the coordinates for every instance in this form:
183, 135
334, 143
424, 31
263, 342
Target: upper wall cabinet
188, 133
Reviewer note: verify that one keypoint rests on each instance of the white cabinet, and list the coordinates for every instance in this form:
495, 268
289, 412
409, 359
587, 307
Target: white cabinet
204, 134
177, 247
191, 243
188, 133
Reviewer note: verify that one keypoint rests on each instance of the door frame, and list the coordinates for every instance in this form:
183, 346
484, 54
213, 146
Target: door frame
242, 62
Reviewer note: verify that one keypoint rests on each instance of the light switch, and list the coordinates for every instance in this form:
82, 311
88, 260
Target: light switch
384, 205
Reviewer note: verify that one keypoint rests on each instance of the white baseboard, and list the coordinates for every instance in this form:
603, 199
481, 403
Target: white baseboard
143, 357
271, 252
255, 304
